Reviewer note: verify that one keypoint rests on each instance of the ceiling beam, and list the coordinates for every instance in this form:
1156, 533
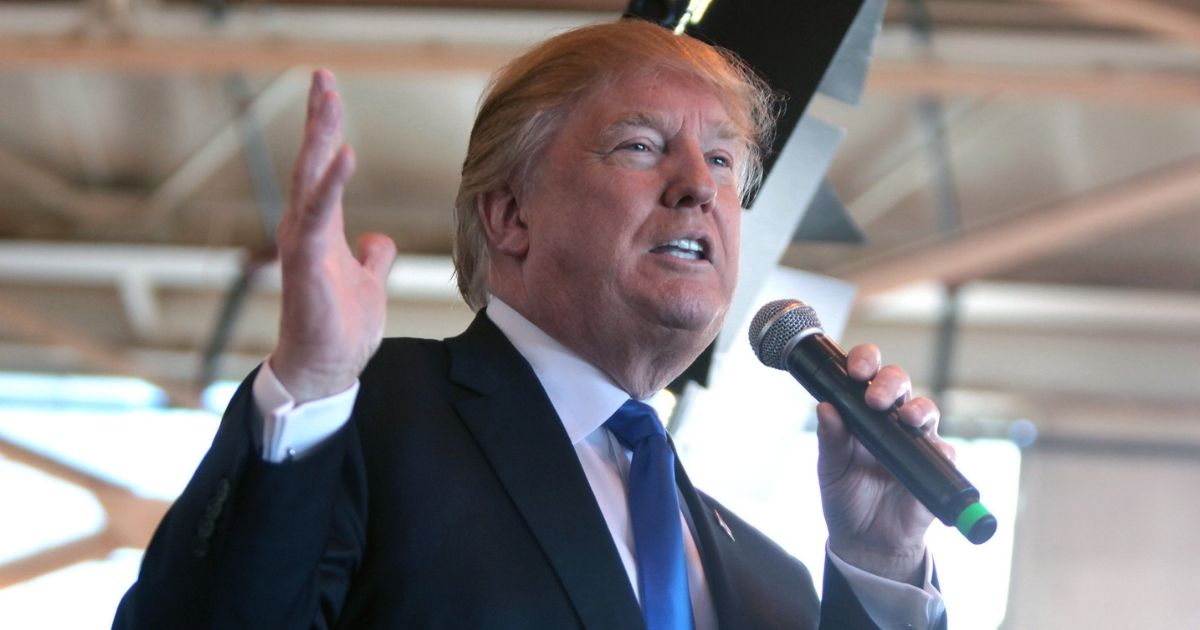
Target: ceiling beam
412, 277
316, 17
129, 519
54, 193
1004, 244
508, 5
138, 298
967, 131
64, 99
197, 167
93, 547
1025, 306
221, 55
950, 80
993, 15
96, 354
1153, 17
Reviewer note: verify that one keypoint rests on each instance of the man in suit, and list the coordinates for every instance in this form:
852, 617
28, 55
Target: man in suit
473, 482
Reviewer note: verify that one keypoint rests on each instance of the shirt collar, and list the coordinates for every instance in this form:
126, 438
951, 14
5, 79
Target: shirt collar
582, 395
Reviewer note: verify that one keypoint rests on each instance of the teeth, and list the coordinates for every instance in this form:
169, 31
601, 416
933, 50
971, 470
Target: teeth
687, 244
686, 248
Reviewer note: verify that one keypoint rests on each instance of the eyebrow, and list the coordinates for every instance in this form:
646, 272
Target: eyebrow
725, 131
637, 119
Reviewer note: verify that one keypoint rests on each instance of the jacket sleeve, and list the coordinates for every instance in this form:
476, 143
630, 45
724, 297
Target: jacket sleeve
840, 608
252, 544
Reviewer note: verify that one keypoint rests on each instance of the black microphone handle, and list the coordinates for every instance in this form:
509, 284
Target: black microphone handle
819, 365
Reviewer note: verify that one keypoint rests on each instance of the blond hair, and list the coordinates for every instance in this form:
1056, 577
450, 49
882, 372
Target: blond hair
528, 100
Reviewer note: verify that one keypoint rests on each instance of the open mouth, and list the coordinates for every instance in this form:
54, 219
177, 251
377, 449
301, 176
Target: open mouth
685, 248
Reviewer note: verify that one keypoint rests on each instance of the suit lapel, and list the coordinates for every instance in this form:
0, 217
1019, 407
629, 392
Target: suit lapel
715, 542
523, 439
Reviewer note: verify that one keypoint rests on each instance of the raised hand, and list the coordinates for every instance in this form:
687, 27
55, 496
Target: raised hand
874, 522
333, 300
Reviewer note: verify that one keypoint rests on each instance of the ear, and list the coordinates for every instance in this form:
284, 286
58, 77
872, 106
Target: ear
507, 232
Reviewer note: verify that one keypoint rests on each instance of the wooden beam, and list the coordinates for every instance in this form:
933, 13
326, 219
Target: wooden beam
98, 355
1153, 17
222, 55
130, 519
506, 5
1105, 86
1022, 16
55, 193
1032, 235
60, 557
966, 132
58, 470
65, 99
138, 297
197, 167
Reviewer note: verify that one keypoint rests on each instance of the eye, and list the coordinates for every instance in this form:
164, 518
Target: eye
637, 146
721, 161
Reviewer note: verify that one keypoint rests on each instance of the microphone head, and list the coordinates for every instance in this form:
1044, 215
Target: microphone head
777, 326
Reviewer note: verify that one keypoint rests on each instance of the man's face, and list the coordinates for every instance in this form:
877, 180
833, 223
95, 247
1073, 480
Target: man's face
633, 212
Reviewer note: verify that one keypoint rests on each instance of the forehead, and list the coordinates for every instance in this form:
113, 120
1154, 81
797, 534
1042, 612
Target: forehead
659, 100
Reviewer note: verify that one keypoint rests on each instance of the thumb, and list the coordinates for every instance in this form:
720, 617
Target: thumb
831, 431
376, 253
835, 446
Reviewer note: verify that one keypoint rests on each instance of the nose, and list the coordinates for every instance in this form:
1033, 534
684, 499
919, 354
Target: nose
690, 182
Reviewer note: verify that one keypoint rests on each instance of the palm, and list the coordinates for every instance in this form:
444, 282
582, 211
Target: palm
333, 301
874, 521
863, 501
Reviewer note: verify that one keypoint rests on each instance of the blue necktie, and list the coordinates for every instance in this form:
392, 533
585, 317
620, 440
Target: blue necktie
654, 510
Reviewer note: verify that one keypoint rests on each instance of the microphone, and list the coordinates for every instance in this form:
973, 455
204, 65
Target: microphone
787, 335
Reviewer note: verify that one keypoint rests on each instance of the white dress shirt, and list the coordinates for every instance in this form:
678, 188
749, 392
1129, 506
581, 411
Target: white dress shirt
584, 398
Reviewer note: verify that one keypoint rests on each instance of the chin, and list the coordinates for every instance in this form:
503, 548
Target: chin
687, 313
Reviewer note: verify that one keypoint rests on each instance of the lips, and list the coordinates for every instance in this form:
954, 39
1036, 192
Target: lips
685, 248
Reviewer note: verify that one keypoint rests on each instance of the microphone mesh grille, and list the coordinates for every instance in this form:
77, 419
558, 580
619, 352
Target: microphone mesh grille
776, 325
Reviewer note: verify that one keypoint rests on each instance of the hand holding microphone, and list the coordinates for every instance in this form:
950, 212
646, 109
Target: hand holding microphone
787, 335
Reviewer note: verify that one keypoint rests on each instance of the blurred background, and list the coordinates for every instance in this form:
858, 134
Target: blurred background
1026, 174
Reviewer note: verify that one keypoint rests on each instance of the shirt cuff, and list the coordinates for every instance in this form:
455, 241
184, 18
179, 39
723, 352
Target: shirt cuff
892, 604
289, 430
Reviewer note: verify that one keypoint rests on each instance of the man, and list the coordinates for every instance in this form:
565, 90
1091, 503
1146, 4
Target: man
476, 483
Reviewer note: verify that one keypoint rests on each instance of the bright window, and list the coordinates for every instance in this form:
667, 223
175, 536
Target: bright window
755, 454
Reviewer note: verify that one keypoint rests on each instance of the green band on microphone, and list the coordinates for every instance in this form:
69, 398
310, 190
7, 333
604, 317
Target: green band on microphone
976, 523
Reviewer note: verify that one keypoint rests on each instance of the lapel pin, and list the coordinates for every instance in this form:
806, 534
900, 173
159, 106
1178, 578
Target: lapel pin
721, 522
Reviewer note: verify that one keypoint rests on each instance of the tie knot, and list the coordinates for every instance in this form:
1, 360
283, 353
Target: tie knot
633, 423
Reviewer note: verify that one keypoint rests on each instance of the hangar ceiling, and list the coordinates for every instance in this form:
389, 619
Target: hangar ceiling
144, 147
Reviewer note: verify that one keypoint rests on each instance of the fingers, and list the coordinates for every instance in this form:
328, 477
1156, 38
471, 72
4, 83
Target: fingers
946, 449
924, 414
325, 202
864, 361
322, 136
322, 81
322, 208
921, 412
889, 384
892, 384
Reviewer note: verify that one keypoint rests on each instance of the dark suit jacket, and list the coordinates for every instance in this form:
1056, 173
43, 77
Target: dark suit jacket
452, 499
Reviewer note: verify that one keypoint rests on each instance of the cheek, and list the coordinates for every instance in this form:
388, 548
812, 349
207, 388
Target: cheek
731, 232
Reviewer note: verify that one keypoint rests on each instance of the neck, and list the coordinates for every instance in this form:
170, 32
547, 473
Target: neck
646, 364
641, 363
